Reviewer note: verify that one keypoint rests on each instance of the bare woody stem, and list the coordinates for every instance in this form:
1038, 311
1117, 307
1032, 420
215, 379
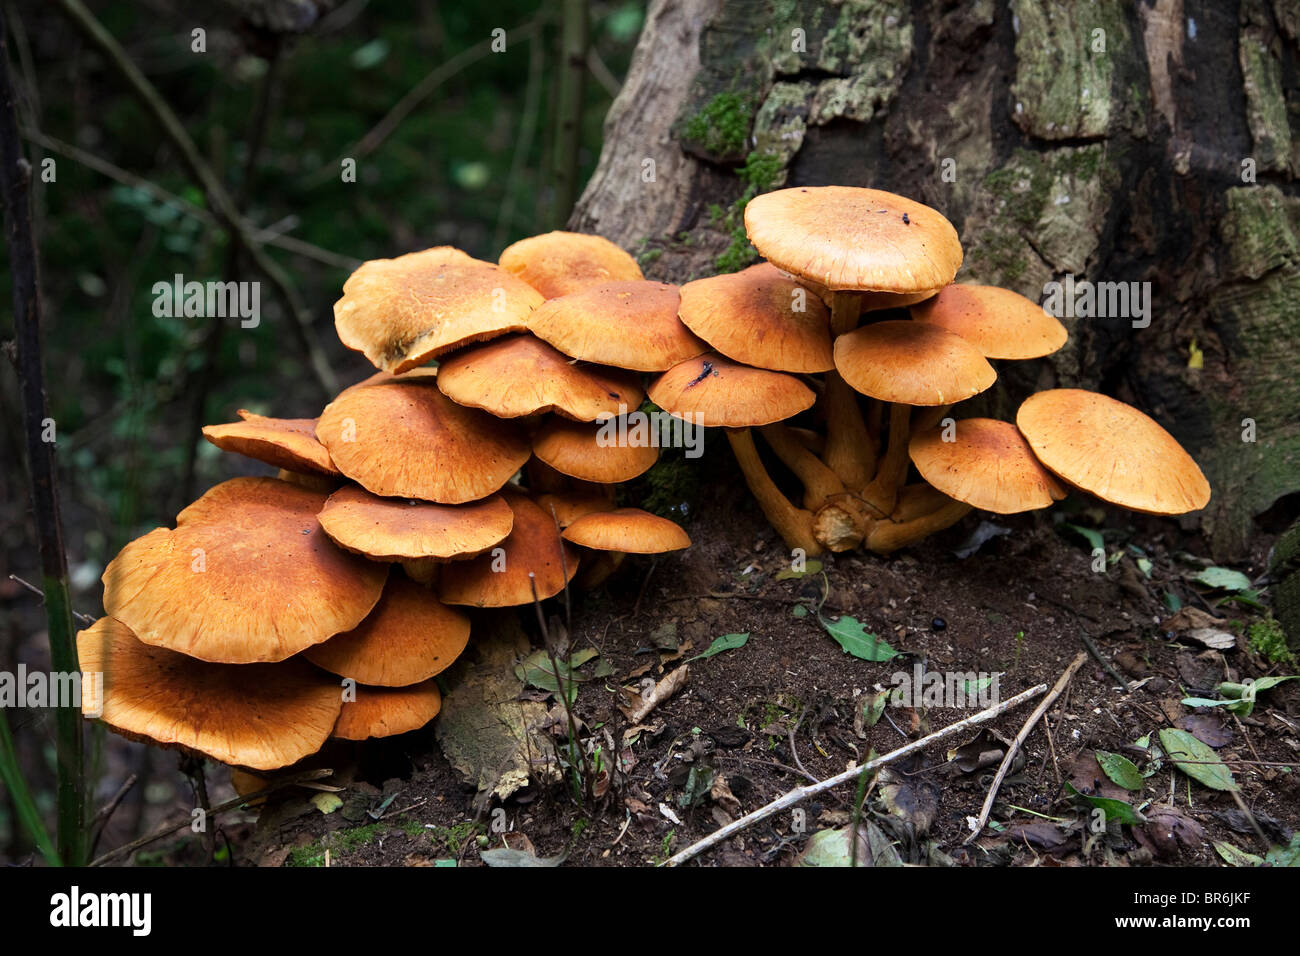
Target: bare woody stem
819, 482
15, 189
794, 525
849, 449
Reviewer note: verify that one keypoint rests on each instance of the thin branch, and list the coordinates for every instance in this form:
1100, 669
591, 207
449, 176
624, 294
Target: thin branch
368, 143
803, 793
231, 804
223, 206
15, 188
1056, 691
265, 236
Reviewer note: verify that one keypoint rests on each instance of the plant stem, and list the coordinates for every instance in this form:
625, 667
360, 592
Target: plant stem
12, 775
15, 187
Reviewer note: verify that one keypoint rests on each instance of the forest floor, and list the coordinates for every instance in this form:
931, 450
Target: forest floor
751, 723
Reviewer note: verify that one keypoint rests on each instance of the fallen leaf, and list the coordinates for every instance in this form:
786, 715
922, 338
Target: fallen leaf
723, 797
1196, 759
727, 642
854, 639
1223, 579
657, 695
494, 740
326, 802
1120, 769
834, 848
521, 858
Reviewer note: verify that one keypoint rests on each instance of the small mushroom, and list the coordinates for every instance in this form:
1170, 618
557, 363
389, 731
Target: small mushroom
288, 443
559, 263
388, 711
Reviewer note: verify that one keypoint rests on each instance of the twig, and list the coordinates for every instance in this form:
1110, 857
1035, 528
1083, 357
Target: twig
15, 189
83, 618
1056, 691
108, 809
802, 793
1102, 660
232, 804
258, 234
416, 95
223, 206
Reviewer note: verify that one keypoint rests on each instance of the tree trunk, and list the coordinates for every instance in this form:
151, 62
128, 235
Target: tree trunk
1114, 142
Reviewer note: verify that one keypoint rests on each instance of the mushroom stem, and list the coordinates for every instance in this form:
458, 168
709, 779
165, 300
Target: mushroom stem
882, 493
794, 525
915, 501
819, 482
596, 570
849, 451
887, 536
927, 418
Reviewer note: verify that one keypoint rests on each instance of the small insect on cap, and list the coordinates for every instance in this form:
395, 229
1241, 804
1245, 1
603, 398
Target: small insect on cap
849, 238
559, 263
761, 317
721, 393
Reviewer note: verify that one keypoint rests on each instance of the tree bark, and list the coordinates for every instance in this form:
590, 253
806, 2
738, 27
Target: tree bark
1114, 142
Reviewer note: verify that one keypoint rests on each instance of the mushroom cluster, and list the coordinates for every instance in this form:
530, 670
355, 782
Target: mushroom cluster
858, 289
282, 611
475, 468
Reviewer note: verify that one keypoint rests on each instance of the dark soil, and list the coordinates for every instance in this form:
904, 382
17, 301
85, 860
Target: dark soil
787, 698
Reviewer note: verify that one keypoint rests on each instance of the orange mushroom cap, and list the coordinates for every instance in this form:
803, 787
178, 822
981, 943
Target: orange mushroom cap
628, 530
402, 529
1113, 451
288, 443
501, 578
912, 363
409, 637
760, 317
724, 393
261, 716
522, 375
559, 263
402, 312
849, 238
576, 449
405, 439
247, 575
388, 711
631, 325
988, 465
1000, 323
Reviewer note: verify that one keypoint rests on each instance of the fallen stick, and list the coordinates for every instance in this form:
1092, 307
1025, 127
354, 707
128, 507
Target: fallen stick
1056, 691
802, 793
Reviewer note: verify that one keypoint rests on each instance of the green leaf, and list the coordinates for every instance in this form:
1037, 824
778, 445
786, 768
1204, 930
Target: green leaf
1120, 769
1235, 857
799, 610
1250, 598
853, 637
1224, 579
1285, 855
1092, 536
1116, 810
535, 670
508, 857
1173, 601
1264, 683
1144, 565
727, 642
810, 567
1196, 759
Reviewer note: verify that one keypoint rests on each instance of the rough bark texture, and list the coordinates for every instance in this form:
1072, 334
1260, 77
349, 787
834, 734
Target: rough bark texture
1156, 141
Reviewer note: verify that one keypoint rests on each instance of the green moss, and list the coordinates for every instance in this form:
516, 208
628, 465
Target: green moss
1268, 640
721, 127
672, 486
760, 172
455, 837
